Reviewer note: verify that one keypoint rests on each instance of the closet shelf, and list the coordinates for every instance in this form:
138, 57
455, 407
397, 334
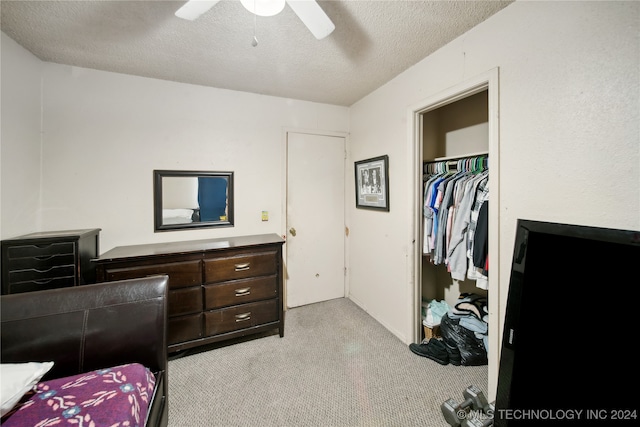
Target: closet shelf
442, 159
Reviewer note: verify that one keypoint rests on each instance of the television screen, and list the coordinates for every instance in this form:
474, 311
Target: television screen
571, 327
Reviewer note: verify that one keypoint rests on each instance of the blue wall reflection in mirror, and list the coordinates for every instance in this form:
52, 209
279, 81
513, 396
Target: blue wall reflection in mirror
212, 198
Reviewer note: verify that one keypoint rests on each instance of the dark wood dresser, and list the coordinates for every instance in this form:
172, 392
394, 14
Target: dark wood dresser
219, 289
49, 259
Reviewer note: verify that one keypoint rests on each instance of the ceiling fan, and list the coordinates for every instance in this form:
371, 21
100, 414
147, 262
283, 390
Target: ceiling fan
309, 12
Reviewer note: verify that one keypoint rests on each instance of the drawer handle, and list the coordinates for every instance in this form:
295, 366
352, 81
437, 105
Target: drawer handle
44, 257
242, 267
243, 292
242, 317
42, 282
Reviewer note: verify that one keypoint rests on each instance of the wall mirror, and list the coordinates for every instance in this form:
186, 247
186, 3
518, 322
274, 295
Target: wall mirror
192, 199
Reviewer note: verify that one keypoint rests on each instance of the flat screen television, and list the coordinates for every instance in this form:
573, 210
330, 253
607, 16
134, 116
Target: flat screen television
570, 336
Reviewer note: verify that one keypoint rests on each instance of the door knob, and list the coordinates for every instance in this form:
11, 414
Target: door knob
292, 231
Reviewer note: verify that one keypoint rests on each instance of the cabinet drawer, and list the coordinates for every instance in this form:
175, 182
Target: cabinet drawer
239, 267
181, 274
184, 301
240, 317
239, 292
41, 263
40, 285
43, 250
184, 328
31, 274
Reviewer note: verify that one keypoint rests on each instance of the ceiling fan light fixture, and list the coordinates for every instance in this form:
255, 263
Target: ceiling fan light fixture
264, 7
309, 12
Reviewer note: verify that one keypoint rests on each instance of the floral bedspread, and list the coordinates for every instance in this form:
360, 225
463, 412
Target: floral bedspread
113, 397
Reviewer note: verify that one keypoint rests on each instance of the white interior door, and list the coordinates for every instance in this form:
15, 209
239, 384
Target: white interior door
315, 218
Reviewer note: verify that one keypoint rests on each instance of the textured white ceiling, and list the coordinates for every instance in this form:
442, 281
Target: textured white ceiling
373, 42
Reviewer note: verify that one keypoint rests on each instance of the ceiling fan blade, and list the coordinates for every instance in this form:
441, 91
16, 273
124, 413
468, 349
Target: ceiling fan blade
312, 15
192, 9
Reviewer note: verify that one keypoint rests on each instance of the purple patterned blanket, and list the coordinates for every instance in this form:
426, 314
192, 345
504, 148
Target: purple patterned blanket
113, 397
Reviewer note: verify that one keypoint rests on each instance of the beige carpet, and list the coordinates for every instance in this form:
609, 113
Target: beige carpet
335, 366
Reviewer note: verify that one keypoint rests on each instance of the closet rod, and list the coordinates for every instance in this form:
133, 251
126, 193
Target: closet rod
442, 159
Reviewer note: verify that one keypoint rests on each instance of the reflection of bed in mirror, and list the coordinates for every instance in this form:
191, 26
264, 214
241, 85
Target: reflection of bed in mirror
178, 216
186, 199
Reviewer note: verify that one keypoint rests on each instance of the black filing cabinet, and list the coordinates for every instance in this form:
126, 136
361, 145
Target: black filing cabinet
49, 259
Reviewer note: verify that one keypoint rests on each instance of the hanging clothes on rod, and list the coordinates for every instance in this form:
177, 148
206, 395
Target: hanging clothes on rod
455, 191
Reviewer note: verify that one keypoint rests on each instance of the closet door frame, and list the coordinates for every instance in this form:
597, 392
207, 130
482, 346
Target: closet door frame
487, 81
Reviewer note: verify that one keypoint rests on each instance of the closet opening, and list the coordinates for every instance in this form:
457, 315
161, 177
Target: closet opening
455, 133
453, 137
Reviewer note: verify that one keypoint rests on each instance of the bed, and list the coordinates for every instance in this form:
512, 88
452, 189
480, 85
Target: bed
180, 216
92, 355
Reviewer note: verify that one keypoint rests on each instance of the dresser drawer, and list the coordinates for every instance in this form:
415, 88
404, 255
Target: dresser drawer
240, 317
40, 285
240, 291
239, 267
184, 328
41, 262
185, 301
40, 250
31, 274
181, 274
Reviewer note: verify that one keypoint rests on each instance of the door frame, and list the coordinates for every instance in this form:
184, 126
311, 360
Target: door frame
486, 81
285, 198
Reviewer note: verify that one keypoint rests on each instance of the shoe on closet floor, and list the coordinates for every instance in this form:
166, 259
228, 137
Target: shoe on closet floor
434, 349
454, 354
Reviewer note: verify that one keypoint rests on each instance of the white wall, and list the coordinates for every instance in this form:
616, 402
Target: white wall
104, 133
19, 140
569, 136
180, 193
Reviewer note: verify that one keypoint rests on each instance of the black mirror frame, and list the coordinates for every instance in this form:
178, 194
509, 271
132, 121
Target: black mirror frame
157, 200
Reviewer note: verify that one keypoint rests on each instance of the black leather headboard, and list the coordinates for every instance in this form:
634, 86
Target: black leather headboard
88, 327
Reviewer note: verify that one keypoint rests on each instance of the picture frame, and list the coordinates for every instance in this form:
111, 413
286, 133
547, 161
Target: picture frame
372, 183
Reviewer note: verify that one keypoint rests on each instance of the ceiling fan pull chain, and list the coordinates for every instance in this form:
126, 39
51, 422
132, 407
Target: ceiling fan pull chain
254, 42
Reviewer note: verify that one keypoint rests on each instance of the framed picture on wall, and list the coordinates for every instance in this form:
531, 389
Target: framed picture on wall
372, 183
